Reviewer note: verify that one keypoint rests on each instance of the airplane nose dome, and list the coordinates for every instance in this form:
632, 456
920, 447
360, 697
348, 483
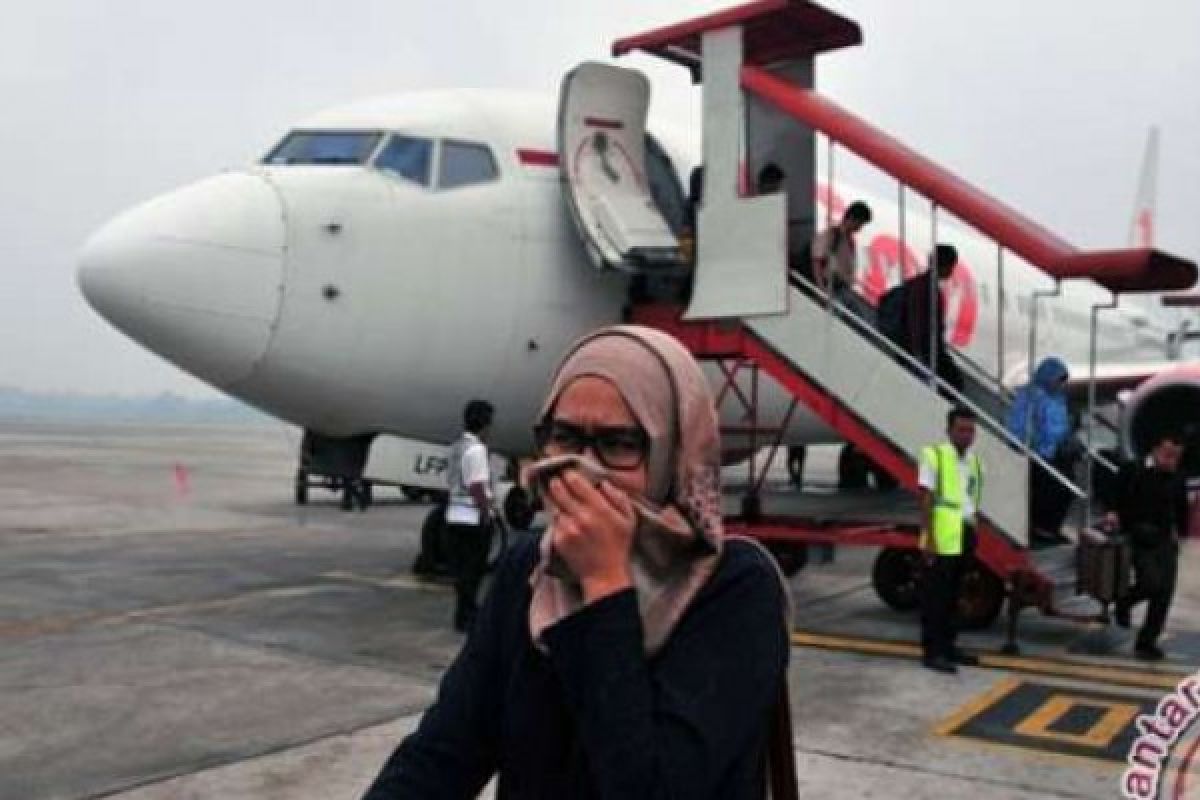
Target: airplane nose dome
195, 275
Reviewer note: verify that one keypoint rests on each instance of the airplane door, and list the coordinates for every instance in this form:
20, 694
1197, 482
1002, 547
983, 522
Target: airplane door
602, 147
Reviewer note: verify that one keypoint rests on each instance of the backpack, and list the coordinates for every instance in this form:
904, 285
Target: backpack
890, 315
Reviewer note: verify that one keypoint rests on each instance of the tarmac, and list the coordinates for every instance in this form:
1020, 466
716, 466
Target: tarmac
173, 626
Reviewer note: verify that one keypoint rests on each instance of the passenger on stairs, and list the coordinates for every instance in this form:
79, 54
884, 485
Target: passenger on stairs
1040, 417
834, 258
770, 180
926, 322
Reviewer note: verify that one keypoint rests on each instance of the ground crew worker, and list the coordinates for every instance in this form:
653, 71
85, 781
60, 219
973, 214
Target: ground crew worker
469, 511
951, 484
1152, 511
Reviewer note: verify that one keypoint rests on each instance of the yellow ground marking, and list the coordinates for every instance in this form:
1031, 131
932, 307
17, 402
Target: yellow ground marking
1067, 759
1120, 676
976, 706
1099, 736
946, 730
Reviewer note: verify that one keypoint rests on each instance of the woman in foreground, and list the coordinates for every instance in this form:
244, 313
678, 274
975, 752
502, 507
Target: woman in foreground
634, 652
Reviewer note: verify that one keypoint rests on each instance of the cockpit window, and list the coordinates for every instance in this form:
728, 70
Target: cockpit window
324, 147
465, 164
407, 157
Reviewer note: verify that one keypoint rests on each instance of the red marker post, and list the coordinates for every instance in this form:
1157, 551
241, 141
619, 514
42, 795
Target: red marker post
182, 481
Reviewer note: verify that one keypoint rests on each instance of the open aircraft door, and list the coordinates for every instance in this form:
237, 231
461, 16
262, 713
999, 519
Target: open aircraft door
602, 158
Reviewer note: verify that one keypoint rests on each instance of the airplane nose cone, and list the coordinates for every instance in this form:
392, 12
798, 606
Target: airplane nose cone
195, 275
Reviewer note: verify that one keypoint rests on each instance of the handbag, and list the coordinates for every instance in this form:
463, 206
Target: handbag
781, 758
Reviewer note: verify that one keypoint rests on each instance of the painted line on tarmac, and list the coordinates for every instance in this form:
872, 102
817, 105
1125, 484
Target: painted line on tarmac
396, 582
67, 622
45, 626
1116, 676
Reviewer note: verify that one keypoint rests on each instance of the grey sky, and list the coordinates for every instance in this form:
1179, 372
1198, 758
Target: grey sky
1045, 103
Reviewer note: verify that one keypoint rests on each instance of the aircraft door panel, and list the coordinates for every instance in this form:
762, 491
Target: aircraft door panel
602, 147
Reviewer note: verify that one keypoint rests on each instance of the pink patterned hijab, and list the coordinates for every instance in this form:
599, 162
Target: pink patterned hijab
679, 536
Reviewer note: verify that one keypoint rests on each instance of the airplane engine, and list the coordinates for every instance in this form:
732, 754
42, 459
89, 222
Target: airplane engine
1167, 402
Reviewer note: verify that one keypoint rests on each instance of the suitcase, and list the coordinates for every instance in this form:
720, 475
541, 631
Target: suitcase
1103, 567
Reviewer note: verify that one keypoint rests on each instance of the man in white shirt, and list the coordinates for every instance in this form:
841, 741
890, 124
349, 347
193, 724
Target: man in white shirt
835, 256
469, 510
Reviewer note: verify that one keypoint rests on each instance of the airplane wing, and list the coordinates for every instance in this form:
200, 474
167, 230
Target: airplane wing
1112, 379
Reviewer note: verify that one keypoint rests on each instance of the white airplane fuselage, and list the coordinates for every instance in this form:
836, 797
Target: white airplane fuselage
346, 299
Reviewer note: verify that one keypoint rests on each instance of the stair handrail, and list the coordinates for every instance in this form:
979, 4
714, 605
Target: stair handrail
982, 374
1136, 269
891, 348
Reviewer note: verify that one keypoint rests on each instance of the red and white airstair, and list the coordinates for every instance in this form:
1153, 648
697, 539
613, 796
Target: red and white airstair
756, 65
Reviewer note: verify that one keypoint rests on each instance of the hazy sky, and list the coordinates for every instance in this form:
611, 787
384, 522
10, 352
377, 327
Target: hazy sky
1045, 103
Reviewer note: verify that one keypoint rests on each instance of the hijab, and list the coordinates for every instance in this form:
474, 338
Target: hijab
678, 539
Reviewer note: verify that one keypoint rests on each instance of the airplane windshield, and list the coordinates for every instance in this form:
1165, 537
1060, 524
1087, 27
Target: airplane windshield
407, 157
324, 147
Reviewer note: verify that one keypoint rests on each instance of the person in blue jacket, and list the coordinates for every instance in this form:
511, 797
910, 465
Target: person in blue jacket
1041, 417
634, 651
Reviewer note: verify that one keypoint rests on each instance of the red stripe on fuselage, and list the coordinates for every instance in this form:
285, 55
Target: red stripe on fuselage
537, 158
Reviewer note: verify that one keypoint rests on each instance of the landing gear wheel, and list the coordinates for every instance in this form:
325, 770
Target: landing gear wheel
518, 509
347, 496
981, 597
432, 560
852, 468
366, 495
791, 557
896, 578
301, 487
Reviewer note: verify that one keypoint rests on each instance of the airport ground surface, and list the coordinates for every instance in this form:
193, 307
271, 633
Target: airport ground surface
172, 626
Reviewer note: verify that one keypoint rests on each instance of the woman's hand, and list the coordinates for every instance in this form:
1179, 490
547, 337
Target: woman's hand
593, 533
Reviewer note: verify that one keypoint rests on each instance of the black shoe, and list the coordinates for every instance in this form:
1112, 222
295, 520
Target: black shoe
1149, 652
964, 658
1121, 615
939, 664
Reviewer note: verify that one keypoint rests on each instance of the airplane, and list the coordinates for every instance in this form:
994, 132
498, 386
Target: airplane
389, 259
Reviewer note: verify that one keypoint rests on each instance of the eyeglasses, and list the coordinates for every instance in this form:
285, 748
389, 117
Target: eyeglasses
617, 447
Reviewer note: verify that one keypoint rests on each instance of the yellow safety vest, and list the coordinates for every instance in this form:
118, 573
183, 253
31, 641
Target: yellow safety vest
948, 497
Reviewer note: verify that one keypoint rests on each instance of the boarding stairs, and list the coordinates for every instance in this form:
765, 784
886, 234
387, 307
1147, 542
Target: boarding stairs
844, 373
757, 61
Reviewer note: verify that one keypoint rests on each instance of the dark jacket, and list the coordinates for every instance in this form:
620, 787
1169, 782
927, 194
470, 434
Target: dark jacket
1152, 505
593, 717
918, 317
